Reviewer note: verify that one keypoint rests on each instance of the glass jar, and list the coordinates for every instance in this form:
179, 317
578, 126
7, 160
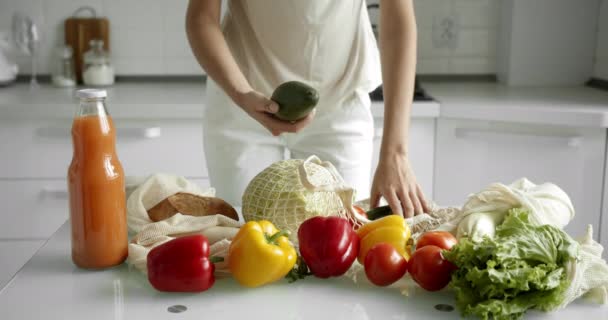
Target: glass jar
98, 69
63, 70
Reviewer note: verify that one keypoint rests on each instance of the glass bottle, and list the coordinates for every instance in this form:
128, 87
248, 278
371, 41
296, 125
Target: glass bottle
97, 69
63, 71
96, 187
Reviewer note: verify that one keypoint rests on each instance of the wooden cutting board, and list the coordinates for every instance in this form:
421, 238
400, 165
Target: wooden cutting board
78, 33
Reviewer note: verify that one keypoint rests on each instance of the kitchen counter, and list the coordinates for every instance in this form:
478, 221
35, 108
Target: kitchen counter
172, 100
125, 100
570, 106
50, 287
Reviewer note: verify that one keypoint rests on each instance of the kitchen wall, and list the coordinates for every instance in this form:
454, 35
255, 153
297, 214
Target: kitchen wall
547, 42
455, 36
148, 38
475, 32
601, 56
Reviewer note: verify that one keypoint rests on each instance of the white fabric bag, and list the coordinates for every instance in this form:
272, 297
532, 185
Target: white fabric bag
147, 193
483, 211
218, 229
290, 191
588, 274
152, 191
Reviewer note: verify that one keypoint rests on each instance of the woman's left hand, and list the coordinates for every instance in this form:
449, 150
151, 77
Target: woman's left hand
395, 181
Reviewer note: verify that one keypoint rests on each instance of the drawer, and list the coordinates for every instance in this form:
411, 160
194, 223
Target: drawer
32, 208
35, 209
472, 154
13, 255
43, 149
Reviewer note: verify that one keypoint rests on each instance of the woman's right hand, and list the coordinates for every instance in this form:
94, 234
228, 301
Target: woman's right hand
263, 109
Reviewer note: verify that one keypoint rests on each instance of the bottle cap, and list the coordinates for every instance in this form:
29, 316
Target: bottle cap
91, 93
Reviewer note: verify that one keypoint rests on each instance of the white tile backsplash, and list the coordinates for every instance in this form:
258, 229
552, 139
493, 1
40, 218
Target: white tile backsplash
56, 11
472, 65
135, 14
143, 33
176, 44
477, 13
433, 65
476, 23
134, 43
148, 36
476, 42
174, 14
181, 66
547, 42
138, 66
34, 8
426, 48
600, 69
429, 10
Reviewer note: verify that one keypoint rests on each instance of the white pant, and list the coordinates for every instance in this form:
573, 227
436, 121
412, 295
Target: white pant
237, 147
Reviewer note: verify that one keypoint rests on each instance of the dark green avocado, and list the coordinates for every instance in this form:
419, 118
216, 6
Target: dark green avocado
295, 99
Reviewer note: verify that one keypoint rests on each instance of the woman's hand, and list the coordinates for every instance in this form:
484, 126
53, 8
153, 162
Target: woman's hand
263, 109
213, 54
395, 181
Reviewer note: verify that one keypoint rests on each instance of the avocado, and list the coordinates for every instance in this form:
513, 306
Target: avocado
295, 99
379, 212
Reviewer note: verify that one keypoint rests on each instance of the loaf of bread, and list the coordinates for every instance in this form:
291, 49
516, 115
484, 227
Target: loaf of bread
190, 204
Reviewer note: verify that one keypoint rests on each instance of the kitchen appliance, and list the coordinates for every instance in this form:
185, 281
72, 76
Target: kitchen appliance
27, 40
80, 31
378, 95
8, 69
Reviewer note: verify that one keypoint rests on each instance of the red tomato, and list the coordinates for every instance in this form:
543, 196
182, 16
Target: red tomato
429, 269
360, 211
384, 265
442, 239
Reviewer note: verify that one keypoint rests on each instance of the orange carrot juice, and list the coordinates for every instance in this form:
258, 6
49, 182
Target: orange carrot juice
96, 186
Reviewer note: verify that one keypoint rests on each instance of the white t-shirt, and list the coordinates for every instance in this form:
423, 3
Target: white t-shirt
327, 44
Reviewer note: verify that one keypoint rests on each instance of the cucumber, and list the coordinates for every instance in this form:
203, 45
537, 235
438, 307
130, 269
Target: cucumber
295, 99
379, 212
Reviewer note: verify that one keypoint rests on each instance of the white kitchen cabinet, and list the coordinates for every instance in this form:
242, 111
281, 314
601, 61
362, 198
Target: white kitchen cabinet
36, 154
43, 148
421, 150
13, 255
470, 155
603, 227
32, 209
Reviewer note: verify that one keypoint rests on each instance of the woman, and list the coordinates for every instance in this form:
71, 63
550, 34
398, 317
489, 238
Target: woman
330, 46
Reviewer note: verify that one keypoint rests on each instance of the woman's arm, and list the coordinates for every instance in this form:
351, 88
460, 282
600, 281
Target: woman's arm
394, 179
212, 53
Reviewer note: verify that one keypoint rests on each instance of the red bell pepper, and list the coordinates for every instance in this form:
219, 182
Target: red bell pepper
328, 245
181, 265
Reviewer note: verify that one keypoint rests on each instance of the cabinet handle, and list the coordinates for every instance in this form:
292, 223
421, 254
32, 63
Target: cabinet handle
57, 193
139, 133
126, 132
569, 140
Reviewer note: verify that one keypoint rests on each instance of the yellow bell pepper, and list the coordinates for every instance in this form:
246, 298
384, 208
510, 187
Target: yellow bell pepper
390, 229
260, 254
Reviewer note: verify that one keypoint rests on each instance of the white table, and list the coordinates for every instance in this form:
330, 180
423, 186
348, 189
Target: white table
50, 287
